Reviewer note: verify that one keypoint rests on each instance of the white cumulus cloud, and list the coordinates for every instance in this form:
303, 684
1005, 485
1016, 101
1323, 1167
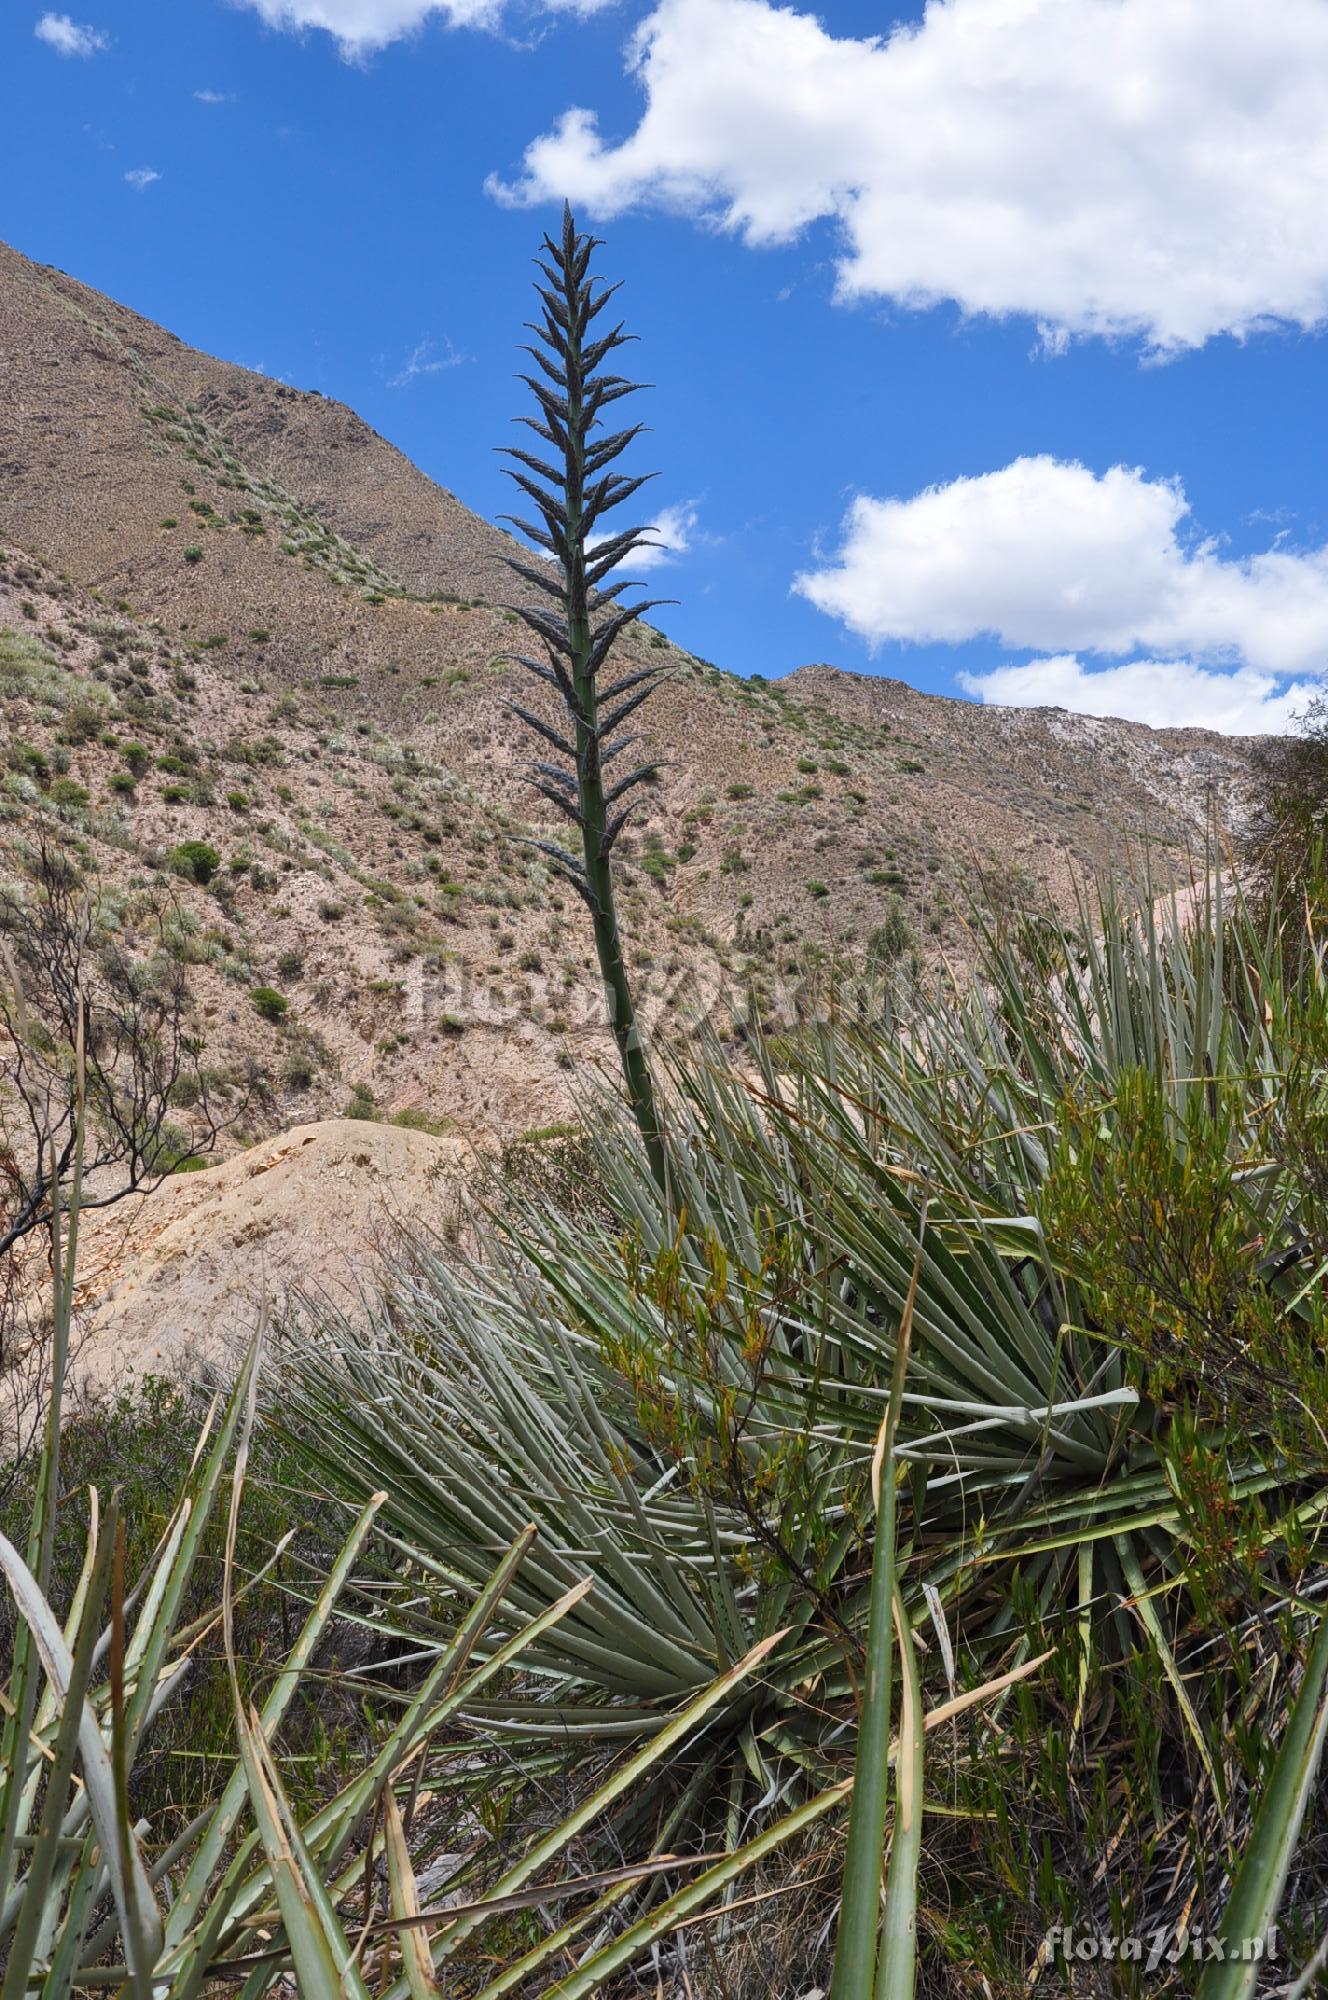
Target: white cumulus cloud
71, 38
674, 532
214, 97
142, 177
1166, 694
362, 26
1151, 168
1047, 554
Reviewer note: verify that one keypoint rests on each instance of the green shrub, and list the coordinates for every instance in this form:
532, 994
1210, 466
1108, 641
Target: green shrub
297, 1072
818, 890
196, 860
67, 792
122, 783
268, 1003
193, 554
740, 791
891, 939
33, 762
414, 1119
82, 722
290, 964
137, 756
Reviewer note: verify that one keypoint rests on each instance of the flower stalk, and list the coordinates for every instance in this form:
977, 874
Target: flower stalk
582, 617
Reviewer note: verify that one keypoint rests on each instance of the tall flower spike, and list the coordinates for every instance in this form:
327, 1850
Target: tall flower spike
571, 489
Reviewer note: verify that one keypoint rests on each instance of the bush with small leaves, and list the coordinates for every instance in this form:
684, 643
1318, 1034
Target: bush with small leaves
34, 763
268, 1003
891, 939
122, 783
67, 792
818, 890
196, 860
137, 756
193, 554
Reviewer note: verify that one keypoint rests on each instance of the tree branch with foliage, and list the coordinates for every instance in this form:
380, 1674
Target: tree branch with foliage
572, 496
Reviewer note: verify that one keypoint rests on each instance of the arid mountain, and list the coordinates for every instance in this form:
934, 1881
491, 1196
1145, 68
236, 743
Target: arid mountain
231, 613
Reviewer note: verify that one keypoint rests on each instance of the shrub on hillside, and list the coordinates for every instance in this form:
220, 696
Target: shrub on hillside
892, 938
268, 1003
196, 860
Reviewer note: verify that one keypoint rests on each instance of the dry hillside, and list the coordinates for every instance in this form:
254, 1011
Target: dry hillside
230, 612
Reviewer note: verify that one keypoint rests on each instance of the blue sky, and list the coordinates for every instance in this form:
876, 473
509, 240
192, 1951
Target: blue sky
907, 301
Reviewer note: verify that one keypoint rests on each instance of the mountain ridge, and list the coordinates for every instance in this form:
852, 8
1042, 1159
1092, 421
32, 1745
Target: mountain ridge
248, 582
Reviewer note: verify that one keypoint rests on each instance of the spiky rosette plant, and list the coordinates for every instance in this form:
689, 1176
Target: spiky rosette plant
584, 616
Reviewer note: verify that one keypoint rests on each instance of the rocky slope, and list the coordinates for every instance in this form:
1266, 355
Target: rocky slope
229, 612
178, 1278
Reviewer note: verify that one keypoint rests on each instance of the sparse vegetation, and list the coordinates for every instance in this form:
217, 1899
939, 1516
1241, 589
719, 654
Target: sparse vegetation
268, 1004
197, 860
